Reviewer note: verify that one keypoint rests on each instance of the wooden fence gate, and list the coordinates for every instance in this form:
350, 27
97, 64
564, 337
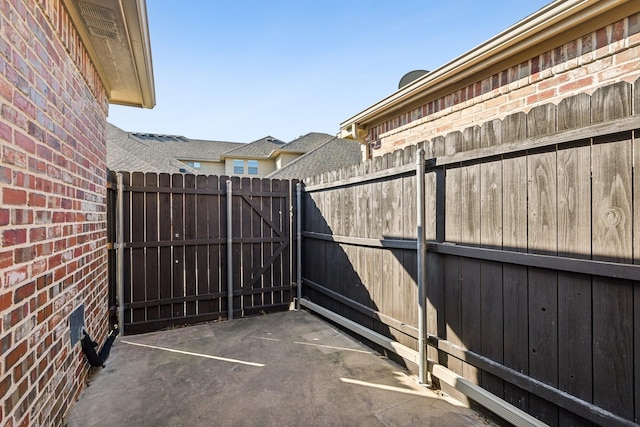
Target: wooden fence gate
189, 248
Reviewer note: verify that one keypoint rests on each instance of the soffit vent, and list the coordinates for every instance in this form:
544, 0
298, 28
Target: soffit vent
101, 22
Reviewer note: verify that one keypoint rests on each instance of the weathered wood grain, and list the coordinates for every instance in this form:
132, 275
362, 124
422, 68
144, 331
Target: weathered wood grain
515, 284
491, 301
452, 267
574, 112
574, 290
612, 302
471, 328
611, 102
491, 133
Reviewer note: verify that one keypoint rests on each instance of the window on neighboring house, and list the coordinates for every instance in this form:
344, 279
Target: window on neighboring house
238, 167
252, 167
195, 165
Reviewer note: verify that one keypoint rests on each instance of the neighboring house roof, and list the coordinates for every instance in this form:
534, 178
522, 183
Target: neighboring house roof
331, 155
183, 148
126, 153
262, 148
147, 152
306, 142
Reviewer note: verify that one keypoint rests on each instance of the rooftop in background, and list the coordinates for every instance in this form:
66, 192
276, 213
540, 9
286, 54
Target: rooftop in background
305, 156
333, 154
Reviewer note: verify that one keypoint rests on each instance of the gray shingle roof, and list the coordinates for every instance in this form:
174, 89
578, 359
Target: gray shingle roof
260, 148
183, 148
125, 153
331, 155
307, 142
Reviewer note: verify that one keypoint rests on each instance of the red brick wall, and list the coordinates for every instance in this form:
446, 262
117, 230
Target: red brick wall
608, 55
53, 214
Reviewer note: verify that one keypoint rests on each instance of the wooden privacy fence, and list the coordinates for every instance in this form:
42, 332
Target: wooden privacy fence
198, 248
533, 229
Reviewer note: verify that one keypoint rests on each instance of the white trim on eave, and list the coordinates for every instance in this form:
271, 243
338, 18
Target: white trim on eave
550, 21
138, 87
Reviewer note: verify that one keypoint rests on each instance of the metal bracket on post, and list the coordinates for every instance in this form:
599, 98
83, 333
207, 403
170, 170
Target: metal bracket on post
299, 240
421, 273
229, 252
119, 246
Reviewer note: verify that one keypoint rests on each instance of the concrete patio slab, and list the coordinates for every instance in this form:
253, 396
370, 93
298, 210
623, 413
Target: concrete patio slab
283, 369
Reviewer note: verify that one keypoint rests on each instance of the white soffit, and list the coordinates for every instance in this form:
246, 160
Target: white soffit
116, 36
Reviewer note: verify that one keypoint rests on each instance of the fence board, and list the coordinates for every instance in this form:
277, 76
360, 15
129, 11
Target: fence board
612, 303
202, 251
543, 284
217, 254
574, 291
452, 272
126, 226
246, 250
190, 219
177, 226
165, 233
278, 210
515, 286
138, 290
471, 328
491, 299
636, 257
152, 254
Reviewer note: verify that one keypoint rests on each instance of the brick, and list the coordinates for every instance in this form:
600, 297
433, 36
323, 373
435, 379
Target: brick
25, 142
22, 255
575, 86
14, 237
5, 175
5, 385
21, 216
602, 38
24, 104
44, 313
14, 157
16, 354
6, 299
6, 259
36, 165
5, 216
38, 267
37, 200
15, 276
37, 234
12, 196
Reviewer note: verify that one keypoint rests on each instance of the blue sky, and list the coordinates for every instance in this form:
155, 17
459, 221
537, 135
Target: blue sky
241, 70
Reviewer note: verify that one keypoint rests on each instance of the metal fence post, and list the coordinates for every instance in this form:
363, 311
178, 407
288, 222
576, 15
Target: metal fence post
229, 252
120, 251
299, 240
421, 273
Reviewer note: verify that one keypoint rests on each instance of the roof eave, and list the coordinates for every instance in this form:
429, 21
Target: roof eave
547, 23
126, 73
